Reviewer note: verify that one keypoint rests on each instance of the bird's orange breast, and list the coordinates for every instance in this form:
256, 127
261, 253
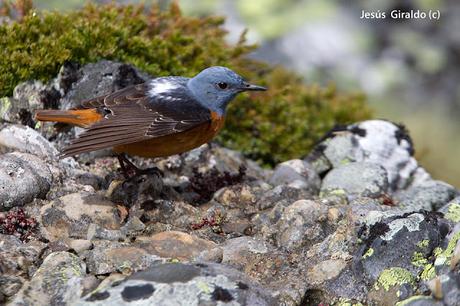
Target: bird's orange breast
175, 143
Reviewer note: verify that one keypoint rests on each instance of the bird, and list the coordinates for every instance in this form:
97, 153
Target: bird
162, 117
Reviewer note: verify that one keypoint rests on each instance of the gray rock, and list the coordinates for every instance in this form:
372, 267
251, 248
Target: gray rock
374, 141
300, 224
399, 240
451, 210
17, 262
431, 195
23, 177
97, 79
72, 216
24, 139
107, 257
183, 284
57, 282
296, 173
356, 179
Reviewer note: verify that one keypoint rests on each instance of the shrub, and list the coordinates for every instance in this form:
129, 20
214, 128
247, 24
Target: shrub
280, 124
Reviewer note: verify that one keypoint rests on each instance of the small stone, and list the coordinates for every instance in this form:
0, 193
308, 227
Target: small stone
326, 270
23, 177
300, 225
296, 173
174, 244
79, 245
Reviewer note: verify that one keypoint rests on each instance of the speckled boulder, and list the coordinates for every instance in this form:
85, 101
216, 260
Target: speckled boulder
376, 141
399, 240
23, 177
431, 195
182, 284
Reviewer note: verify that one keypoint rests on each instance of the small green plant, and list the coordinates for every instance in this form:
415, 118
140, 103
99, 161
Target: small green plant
276, 125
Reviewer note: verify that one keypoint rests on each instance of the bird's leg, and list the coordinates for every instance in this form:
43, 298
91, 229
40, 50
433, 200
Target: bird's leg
130, 170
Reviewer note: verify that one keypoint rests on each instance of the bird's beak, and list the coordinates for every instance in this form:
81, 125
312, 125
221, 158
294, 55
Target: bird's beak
251, 87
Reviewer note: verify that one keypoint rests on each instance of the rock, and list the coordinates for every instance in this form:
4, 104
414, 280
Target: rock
59, 281
72, 215
326, 270
17, 262
24, 139
174, 244
107, 257
399, 240
281, 194
300, 224
80, 245
452, 210
183, 284
94, 80
374, 141
296, 173
356, 179
431, 195
23, 177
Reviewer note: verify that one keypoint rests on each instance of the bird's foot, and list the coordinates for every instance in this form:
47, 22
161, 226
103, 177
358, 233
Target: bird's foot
130, 170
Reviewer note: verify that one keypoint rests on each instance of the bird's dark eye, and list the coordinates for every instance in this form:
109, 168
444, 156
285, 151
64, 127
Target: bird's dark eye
222, 85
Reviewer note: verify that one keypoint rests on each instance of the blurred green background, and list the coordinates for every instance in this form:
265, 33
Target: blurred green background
409, 69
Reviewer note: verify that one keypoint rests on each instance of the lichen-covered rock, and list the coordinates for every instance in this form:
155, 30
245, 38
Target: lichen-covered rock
452, 210
23, 177
356, 179
400, 240
183, 284
298, 174
57, 282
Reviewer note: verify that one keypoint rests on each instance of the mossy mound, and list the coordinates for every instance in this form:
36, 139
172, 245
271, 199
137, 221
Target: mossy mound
280, 124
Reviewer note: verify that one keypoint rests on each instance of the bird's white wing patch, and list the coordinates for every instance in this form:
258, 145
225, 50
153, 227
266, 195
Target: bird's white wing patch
161, 87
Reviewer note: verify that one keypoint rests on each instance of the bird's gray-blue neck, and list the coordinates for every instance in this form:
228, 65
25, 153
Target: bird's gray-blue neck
209, 97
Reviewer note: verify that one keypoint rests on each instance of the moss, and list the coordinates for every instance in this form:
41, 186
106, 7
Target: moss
394, 277
280, 124
368, 253
453, 213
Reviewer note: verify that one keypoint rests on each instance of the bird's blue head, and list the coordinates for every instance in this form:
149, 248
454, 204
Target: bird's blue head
216, 86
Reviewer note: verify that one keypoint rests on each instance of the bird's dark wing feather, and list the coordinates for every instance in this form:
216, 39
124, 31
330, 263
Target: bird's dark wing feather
133, 116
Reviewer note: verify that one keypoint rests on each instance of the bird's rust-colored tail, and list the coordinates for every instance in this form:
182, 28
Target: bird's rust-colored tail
81, 117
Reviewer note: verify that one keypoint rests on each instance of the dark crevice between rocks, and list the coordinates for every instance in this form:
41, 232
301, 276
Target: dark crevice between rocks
314, 297
221, 294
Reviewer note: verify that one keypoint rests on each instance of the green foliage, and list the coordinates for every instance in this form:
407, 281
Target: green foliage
279, 124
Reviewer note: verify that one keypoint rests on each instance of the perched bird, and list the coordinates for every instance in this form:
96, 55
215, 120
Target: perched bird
161, 117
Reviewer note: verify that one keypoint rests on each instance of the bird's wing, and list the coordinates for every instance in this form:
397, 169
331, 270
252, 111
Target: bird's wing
132, 115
